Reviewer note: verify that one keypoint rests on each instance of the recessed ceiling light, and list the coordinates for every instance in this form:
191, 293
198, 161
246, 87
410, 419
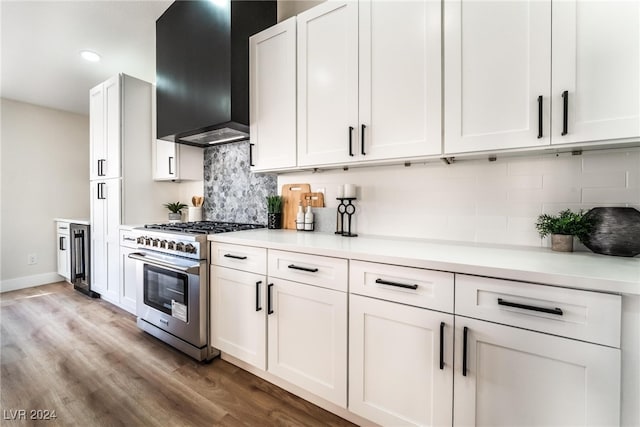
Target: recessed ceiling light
90, 56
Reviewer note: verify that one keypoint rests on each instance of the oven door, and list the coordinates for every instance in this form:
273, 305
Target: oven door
172, 295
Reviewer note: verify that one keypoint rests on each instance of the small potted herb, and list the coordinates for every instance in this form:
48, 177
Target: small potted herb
274, 212
175, 210
563, 227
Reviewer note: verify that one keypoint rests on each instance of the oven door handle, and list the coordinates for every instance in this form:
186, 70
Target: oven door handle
193, 269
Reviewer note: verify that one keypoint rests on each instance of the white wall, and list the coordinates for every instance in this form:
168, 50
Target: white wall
44, 175
481, 201
289, 8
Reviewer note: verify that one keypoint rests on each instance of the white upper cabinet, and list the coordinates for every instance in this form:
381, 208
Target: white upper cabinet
177, 162
496, 74
509, 84
327, 83
399, 105
272, 88
596, 61
105, 129
369, 81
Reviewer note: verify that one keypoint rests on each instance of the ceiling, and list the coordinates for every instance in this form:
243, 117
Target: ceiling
41, 41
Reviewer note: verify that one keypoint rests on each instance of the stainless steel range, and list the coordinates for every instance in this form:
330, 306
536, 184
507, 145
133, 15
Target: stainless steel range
172, 284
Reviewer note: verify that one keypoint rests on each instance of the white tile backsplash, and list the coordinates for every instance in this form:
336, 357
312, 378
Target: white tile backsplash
480, 201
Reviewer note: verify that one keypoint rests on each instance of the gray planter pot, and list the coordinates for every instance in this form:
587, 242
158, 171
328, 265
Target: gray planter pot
562, 242
175, 217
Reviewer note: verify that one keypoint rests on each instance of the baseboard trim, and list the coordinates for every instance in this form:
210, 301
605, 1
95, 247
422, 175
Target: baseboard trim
29, 281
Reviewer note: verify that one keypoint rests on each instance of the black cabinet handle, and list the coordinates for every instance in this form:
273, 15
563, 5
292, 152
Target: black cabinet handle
62, 248
540, 117
251, 155
351, 141
362, 128
556, 311
399, 285
101, 167
565, 112
170, 172
258, 283
269, 302
234, 256
296, 267
464, 351
101, 191
441, 345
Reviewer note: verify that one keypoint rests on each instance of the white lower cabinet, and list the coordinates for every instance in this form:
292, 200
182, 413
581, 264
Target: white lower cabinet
400, 363
515, 377
238, 320
307, 338
128, 282
64, 258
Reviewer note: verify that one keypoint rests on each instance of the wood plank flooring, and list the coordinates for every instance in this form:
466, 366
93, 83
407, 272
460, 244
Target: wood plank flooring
86, 360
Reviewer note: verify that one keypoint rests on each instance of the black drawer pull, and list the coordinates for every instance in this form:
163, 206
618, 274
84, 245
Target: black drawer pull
441, 345
296, 267
234, 256
399, 285
351, 141
269, 301
556, 310
540, 117
258, 307
565, 112
464, 351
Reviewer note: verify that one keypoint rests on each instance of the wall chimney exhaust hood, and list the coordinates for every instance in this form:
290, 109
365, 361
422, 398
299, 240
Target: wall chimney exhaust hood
202, 69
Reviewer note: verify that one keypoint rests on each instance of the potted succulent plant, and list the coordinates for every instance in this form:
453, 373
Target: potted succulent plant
563, 227
274, 212
175, 210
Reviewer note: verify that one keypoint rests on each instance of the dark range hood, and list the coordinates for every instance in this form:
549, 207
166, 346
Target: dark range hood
202, 69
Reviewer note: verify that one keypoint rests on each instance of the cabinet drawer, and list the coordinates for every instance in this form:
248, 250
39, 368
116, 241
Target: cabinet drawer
407, 285
62, 227
583, 315
247, 258
315, 270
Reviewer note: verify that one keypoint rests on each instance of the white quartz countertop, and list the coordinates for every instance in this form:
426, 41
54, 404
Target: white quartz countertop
580, 270
73, 221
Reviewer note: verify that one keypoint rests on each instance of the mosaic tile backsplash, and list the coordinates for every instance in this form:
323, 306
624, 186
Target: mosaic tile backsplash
232, 193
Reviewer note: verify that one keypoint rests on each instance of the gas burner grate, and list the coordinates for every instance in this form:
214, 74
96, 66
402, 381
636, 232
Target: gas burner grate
203, 227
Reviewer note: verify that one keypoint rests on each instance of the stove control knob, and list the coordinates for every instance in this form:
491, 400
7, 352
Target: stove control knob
163, 244
190, 249
155, 242
140, 240
180, 247
147, 241
171, 245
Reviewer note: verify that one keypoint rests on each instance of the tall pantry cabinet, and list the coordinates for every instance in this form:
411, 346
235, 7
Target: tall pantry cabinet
122, 188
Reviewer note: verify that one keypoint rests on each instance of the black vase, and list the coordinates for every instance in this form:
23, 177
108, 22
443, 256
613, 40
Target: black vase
616, 231
274, 220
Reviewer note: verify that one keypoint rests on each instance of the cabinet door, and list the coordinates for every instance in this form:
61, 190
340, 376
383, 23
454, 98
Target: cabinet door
327, 83
64, 260
105, 249
272, 88
165, 160
96, 132
112, 127
395, 376
497, 66
596, 60
516, 377
307, 330
127, 280
400, 79
238, 314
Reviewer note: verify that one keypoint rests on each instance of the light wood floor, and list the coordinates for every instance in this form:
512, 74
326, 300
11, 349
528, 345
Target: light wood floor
88, 361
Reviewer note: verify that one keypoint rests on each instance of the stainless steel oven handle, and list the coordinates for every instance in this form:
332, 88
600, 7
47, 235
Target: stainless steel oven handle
193, 269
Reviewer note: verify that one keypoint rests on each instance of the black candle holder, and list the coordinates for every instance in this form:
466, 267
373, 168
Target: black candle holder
346, 207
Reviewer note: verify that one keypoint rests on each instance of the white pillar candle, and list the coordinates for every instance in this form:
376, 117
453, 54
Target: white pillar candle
349, 190
340, 191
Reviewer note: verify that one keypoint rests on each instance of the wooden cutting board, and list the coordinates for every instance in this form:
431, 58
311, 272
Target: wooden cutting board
316, 200
291, 195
